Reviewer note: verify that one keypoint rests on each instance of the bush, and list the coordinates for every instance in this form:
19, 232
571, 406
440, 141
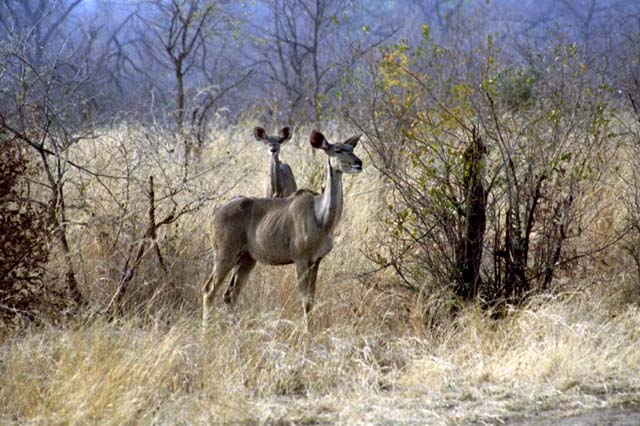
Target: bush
488, 180
515, 87
23, 241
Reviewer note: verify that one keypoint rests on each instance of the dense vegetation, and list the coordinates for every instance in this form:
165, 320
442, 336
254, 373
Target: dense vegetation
487, 265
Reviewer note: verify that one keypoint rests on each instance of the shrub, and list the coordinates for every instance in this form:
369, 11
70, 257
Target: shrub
488, 180
23, 240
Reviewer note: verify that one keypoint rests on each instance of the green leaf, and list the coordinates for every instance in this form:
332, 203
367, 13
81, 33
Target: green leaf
426, 31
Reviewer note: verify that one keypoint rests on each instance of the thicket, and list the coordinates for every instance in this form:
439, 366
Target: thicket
24, 244
631, 197
491, 166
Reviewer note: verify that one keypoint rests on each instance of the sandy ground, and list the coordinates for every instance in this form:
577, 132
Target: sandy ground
623, 416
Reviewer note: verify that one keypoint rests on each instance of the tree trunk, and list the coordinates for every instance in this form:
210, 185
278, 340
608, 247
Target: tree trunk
180, 100
57, 219
469, 247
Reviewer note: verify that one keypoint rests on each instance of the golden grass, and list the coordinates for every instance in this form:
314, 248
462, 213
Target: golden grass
369, 359
264, 369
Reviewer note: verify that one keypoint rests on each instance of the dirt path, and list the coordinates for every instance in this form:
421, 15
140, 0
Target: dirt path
609, 416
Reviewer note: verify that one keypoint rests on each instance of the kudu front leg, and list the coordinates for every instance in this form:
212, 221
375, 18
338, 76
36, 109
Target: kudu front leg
307, 273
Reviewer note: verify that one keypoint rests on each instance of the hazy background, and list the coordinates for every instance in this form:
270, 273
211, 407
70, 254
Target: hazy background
206, 61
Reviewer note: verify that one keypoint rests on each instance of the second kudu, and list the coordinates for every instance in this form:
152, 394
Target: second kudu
281, 231
281, 182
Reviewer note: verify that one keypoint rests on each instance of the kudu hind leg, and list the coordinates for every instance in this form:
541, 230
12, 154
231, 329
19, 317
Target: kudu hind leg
221, 268
243, 268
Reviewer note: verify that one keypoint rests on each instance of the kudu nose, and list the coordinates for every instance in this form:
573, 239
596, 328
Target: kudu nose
358, 162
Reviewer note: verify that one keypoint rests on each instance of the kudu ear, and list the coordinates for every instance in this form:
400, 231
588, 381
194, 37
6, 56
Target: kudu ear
259, 133
318, 141
285, 134
353, 141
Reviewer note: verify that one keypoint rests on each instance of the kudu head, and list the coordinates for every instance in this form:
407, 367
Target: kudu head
273, 143
341, 156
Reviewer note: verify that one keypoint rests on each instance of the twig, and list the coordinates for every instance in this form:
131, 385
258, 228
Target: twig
153, 226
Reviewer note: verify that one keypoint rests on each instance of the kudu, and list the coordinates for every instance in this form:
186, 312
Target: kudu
281, 182
281, 231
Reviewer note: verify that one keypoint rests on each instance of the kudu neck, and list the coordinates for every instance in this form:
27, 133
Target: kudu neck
274, 174
329, 209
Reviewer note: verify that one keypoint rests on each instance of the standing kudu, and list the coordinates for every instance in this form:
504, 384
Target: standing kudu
281, 182
281, 231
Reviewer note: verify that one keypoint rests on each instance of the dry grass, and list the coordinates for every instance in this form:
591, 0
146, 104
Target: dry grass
368, 359
261, 368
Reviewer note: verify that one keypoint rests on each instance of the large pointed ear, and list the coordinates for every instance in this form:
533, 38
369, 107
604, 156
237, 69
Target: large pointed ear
285, 134
259, 133
318, 141
353, 141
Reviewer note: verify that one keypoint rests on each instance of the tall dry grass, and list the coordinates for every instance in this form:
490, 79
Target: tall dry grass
556, 356
369, 358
